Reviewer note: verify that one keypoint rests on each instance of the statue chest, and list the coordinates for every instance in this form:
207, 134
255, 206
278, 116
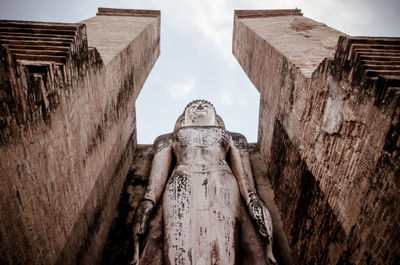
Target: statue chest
204, 136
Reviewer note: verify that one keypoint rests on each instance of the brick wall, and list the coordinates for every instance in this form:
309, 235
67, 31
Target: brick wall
68, 132
328, 131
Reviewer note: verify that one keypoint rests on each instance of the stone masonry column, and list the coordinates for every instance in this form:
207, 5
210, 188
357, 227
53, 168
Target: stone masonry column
329, 133
68, 130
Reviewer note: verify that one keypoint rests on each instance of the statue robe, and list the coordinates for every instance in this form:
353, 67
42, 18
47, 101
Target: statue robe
202, 212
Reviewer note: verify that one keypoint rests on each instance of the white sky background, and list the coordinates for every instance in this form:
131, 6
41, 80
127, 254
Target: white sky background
196, 60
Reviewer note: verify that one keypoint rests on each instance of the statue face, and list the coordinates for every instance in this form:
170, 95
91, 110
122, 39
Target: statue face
199, 113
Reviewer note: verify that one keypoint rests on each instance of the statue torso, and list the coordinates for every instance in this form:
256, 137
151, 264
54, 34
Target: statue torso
197, 145
201, 199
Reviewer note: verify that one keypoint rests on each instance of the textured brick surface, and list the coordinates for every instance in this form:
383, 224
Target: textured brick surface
329, 134
65, 158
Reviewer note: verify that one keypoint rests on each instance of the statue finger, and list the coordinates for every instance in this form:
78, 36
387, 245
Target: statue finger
270, 255
135, 259
139, 230
263, 230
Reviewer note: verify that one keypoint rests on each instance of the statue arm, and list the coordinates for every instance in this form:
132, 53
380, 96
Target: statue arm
159, 168
158, 177
240, 164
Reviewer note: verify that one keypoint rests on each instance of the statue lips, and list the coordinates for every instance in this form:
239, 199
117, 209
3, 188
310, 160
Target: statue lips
202, 112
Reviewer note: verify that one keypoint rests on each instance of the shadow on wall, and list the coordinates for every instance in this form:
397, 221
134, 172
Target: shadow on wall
312, 228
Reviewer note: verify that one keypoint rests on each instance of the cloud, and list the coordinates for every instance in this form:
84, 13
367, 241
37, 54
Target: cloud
227, 98
233, 98
211, 20
181, 91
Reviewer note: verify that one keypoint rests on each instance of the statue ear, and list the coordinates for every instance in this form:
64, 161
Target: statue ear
179, 122
219, 121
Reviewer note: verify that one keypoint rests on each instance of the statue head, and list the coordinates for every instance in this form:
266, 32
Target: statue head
199, 113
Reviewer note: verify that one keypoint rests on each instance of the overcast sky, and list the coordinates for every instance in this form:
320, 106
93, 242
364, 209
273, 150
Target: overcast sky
196, 60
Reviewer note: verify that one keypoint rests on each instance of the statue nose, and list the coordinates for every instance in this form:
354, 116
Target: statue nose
200, 107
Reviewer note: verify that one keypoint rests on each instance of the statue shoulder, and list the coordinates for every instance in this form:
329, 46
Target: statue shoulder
162, 142
239, 140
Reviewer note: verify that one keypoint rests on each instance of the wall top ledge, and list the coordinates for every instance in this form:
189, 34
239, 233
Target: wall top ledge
127, 12
267, 13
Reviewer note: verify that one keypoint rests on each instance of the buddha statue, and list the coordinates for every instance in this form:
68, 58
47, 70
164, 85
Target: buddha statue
202, 195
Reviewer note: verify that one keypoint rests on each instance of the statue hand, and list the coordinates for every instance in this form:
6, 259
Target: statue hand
261, 216
139, 227
141, 217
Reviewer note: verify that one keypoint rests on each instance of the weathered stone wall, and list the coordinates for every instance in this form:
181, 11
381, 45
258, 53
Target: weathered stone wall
329, 134
68, 131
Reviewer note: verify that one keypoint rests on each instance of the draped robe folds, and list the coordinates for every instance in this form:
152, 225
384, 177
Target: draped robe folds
201, 204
